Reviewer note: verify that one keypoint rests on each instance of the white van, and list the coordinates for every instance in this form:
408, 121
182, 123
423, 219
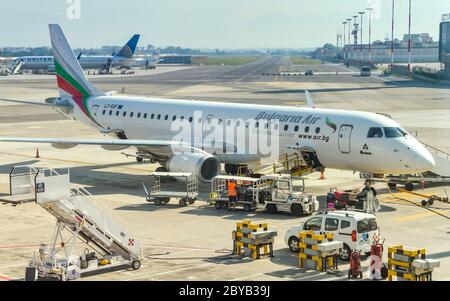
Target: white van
366, 71
354, 228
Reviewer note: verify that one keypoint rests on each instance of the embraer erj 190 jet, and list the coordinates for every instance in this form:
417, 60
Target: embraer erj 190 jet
345, 140
99, 62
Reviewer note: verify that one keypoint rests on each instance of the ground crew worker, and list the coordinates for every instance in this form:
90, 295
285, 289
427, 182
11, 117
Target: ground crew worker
232, 194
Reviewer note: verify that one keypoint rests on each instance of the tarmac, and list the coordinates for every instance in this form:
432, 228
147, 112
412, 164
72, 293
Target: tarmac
194, 242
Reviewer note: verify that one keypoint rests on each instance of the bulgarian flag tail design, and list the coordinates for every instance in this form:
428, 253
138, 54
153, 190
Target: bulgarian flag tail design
70, 76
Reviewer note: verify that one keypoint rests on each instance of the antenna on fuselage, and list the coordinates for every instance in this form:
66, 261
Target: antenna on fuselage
309, 100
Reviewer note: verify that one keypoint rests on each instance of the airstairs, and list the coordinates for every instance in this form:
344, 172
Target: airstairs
292, 164
17, 65
86, 219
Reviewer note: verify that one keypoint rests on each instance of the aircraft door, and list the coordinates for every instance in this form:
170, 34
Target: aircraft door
345, 137
94, 110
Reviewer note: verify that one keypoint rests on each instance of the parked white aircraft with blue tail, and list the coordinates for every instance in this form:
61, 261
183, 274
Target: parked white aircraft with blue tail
123, 58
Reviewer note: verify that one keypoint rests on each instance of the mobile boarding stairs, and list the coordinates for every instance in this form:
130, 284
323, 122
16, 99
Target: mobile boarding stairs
116, 244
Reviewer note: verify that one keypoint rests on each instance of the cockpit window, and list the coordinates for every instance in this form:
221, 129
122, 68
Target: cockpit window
375, 133
395, 132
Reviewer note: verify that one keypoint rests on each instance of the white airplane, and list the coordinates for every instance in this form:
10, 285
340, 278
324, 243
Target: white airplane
147, 61
121, 59
338, 139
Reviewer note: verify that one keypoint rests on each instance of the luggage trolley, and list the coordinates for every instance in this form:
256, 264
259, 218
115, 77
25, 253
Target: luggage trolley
159, 196
248, 192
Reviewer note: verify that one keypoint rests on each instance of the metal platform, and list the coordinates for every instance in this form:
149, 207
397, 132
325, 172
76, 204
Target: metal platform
86, 219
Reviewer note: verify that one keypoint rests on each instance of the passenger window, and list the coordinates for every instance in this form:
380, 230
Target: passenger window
317, 130
345, 224
131, 114
190, 119
104, 112
307, 129
110, 113
124, 114
145, 116
117, 113
314, 224
182, 118
139, 115
331, 224
296, 128
286, 127
166, 118
159, 116
153, 116
174, 117
375, 133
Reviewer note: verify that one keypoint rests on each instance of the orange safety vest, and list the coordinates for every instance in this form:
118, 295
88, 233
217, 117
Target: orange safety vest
232, 189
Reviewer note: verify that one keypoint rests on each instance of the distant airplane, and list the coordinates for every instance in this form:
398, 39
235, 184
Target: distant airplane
97, 62
339, 139
147, 62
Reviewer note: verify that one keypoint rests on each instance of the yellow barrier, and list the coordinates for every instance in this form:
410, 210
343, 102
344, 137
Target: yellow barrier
400, 263
308, 253
246, 238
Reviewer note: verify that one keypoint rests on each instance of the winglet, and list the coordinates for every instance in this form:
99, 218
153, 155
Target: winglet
309, 100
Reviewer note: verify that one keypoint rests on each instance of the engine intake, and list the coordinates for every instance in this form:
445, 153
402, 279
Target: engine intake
204, 166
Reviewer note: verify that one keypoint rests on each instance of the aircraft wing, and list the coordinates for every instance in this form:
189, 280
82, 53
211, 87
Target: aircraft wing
107, 143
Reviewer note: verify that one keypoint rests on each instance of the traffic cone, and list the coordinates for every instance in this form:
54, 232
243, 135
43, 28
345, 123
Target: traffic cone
37, 153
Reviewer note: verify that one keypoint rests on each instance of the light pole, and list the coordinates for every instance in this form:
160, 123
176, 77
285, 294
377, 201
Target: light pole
361, 52
349, 38
355, 36
409, 38
345, 33
392, 35
370, 35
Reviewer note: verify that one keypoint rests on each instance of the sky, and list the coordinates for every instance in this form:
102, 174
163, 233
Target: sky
224, 24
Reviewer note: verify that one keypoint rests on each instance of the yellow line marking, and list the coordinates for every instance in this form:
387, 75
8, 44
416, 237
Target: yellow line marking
408, 218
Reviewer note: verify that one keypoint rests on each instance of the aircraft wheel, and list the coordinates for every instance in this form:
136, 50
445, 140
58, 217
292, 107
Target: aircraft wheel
139, 159
157, 202
218, 205
409, 186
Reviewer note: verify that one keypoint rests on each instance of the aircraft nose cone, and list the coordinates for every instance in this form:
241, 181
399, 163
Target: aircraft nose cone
424, 160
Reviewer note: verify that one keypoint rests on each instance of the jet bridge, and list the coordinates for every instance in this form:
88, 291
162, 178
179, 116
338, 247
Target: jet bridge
116, 244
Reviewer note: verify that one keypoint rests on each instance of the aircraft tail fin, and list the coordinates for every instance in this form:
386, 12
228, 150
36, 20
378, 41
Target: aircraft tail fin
128, 50
70, 76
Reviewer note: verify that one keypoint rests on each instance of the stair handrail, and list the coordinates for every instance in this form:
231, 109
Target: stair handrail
438, 151
105, 211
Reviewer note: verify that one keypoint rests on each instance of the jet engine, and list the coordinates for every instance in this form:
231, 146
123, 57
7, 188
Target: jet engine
203, 165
